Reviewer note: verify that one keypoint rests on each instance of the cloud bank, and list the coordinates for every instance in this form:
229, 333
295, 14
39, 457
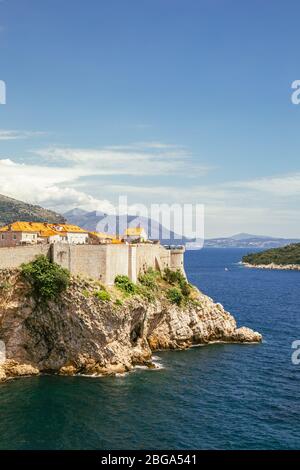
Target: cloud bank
62, 178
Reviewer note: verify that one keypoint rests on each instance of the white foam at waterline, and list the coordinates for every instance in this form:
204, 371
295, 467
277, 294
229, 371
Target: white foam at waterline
157, 361
89, 376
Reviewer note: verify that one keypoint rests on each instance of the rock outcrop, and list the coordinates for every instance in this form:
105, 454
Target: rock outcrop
80, 334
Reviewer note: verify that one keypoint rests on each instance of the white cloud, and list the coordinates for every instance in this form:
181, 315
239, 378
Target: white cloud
46, 186
256, 206
146, 145
59, 180
56, 179
126, 160
16, 135
276, 186
285, 185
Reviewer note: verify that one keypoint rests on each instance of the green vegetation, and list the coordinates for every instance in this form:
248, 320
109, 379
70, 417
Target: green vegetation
124, 284
146, 292
149, 279
177, 278
12, 210
173, 277
175, 295
289, 254
47, 279
102, 295
172, 284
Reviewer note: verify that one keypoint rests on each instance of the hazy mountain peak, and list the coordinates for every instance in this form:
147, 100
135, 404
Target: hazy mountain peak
75, 212
247, 236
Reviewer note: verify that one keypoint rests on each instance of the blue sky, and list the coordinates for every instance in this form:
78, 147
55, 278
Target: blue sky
162, 100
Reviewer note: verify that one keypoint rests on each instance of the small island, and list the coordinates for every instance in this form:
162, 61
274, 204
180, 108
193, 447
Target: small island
287, 258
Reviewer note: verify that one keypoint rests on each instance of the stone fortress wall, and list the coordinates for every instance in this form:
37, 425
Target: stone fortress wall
13, 257
102, 262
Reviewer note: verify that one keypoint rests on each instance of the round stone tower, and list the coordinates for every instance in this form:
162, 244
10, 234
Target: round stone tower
177, 258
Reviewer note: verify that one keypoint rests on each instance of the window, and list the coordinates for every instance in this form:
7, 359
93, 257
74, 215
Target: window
15, 237
3, 237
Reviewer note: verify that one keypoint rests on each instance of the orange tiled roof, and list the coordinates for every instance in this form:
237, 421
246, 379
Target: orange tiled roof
68, 228
102, 235
134, 231
43, 229
116, 241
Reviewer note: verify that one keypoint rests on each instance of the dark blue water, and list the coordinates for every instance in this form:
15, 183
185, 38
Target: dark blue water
212, 397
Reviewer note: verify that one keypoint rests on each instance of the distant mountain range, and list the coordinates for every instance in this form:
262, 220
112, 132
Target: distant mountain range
247, 240
97, 221
12, 210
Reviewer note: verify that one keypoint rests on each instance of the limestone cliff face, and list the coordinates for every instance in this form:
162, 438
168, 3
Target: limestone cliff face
79, 333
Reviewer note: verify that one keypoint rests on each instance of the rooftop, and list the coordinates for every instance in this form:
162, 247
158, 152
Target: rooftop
42, 228
134, 231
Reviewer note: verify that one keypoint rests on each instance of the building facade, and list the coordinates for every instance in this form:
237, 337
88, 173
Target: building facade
135, 234
32, 233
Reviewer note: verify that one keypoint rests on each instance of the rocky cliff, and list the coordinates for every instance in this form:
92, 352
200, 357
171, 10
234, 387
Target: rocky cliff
79, 333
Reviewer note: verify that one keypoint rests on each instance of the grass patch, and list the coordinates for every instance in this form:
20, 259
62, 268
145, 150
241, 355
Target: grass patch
102, 295
86, 293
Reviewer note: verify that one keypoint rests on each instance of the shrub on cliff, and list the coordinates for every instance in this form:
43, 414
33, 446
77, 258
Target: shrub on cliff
178, 279
47, 279
149, 279
102, 295
185, 288
175, 295
124, 284
172, 277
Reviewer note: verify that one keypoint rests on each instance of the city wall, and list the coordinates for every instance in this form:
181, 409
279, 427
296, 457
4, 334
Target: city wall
13, 257
103, 262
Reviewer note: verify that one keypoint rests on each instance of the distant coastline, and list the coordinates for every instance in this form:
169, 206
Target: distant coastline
284, 267
285, 258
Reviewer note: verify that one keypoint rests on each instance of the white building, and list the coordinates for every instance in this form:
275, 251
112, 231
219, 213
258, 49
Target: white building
31, 233
137, 234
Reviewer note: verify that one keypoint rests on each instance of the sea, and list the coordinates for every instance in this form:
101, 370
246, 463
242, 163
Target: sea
220, 396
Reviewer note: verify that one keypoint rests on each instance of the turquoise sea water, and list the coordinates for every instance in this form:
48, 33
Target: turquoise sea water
212, 397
